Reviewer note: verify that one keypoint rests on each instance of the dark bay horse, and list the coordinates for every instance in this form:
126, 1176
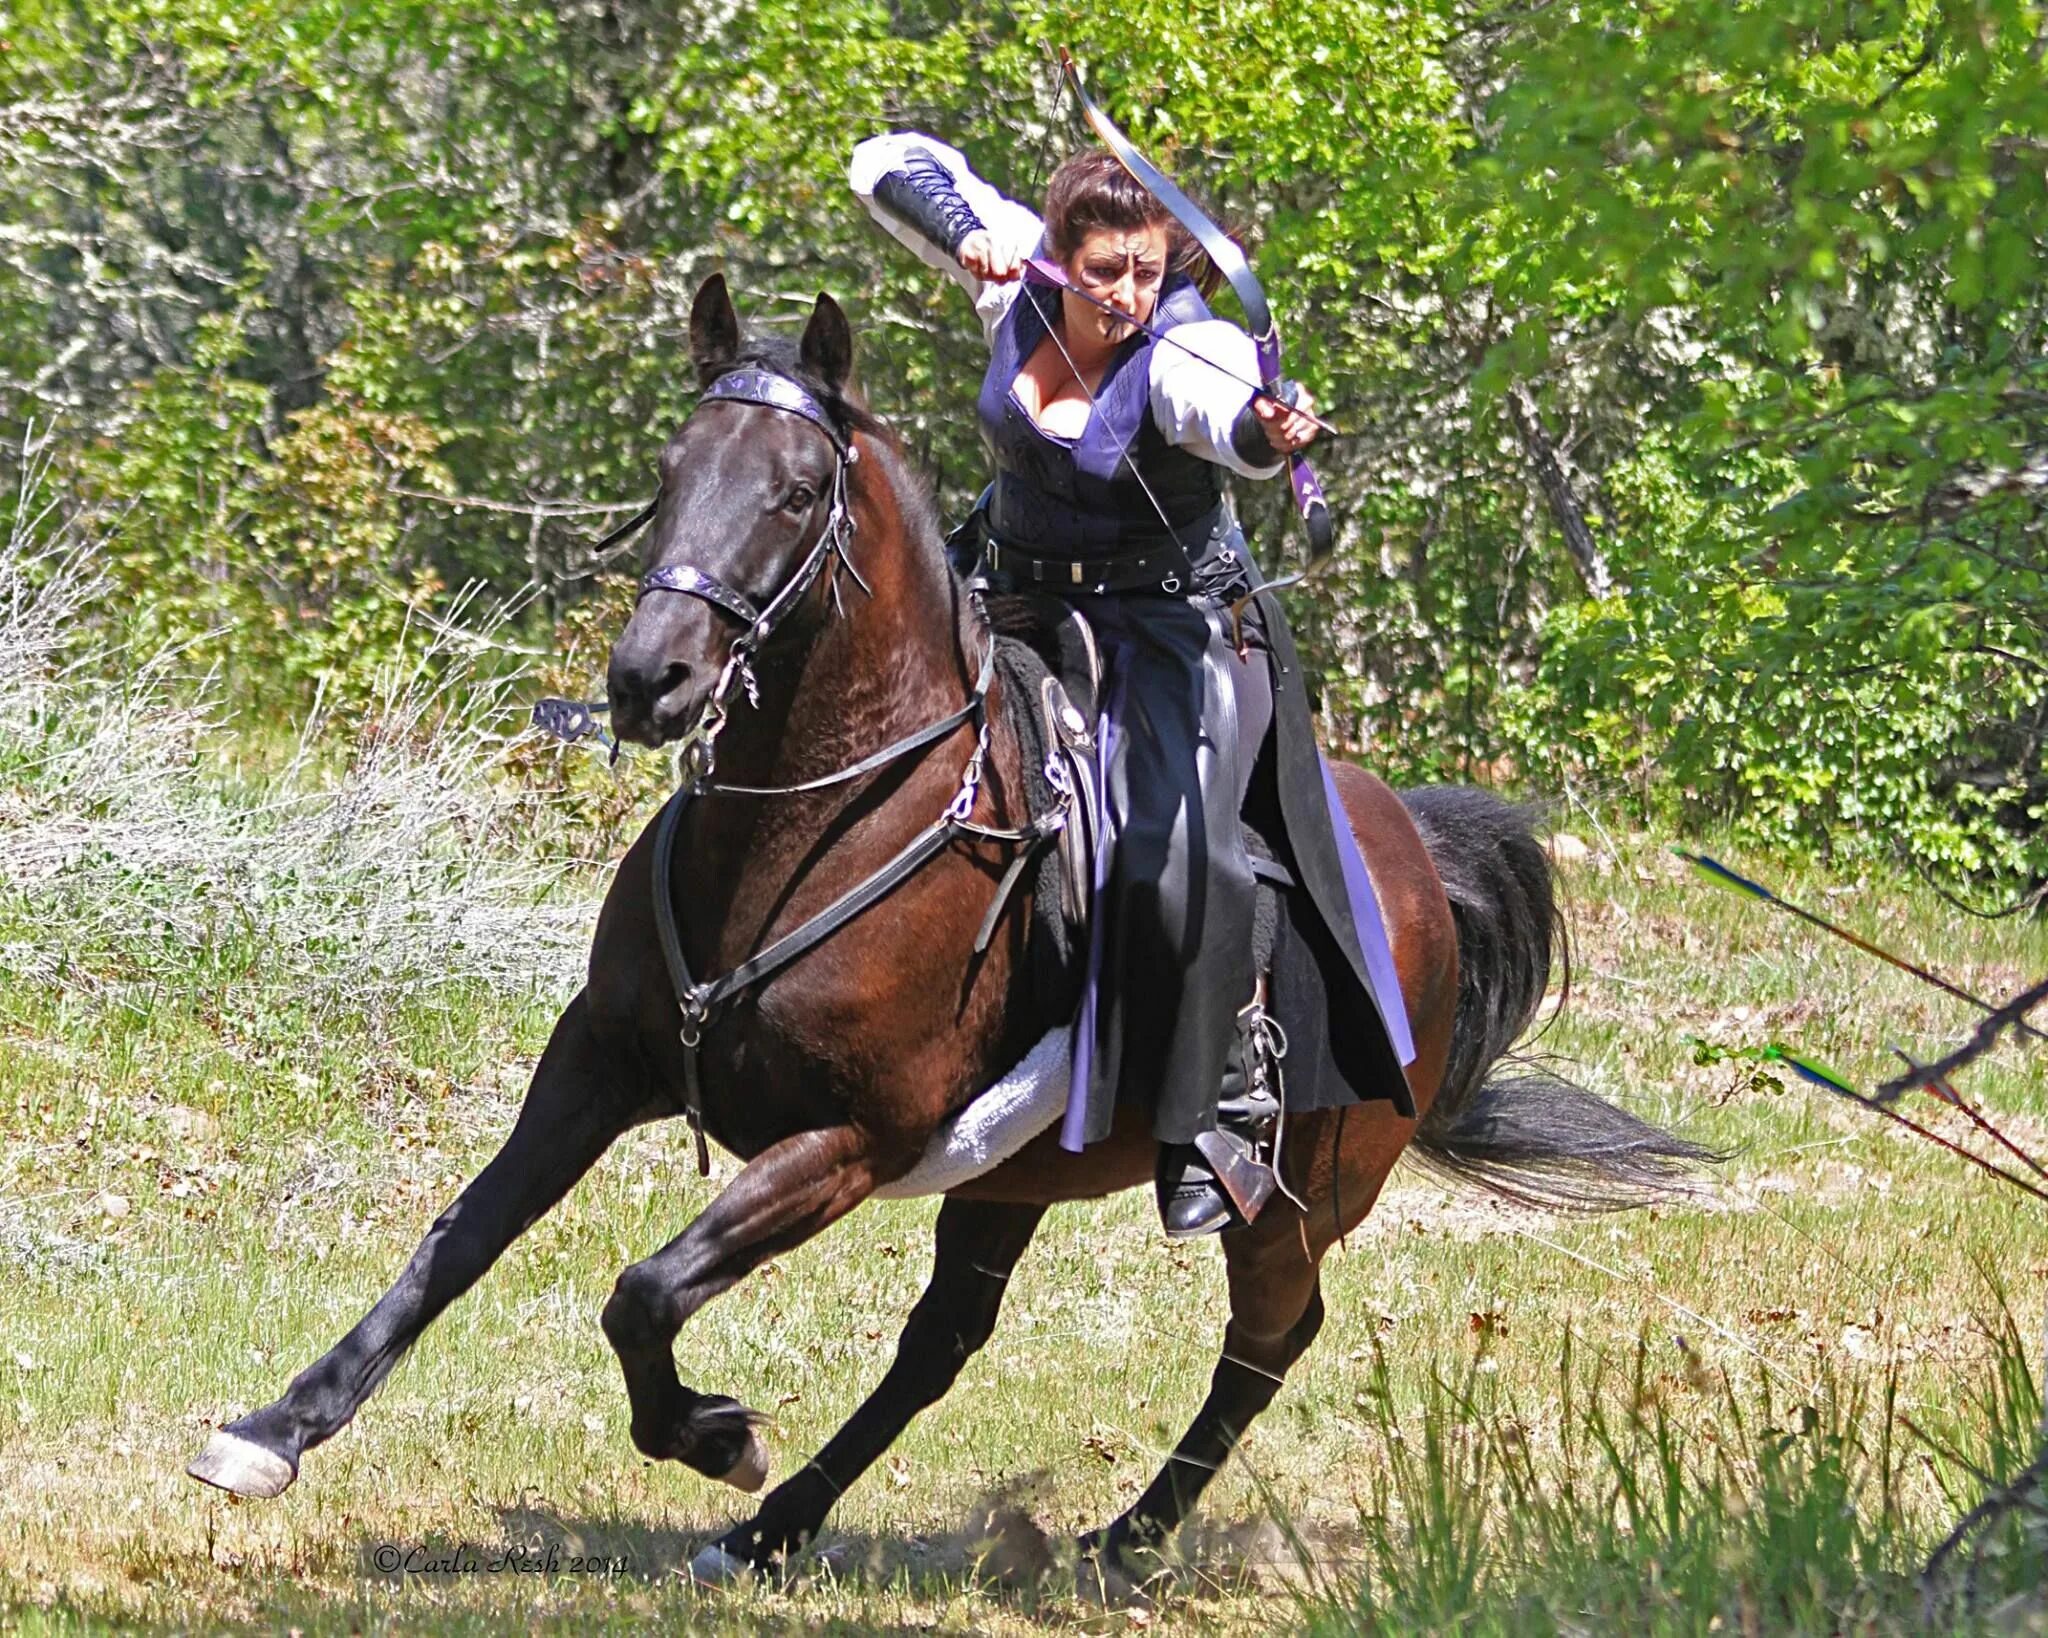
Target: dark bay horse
830, 1075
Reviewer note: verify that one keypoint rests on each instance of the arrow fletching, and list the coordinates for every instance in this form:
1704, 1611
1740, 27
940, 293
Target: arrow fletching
1719, 874
1811, 1069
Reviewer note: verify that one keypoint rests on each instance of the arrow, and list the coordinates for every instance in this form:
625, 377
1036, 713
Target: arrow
1816, 1073
1717, 872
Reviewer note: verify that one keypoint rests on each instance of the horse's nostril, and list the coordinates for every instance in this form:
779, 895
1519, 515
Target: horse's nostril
673, 676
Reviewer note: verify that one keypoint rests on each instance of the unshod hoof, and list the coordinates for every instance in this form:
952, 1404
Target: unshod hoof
715, 1567
242, 1467
750, 1472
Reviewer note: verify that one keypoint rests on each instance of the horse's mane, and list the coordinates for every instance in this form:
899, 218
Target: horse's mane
850, 413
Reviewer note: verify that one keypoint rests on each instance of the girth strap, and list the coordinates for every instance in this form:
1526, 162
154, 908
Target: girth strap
1004, 888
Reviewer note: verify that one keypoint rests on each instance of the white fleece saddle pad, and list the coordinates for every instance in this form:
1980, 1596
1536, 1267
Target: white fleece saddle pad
994, 1126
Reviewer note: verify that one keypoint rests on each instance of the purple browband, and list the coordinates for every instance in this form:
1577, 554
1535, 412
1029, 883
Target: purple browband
757, 385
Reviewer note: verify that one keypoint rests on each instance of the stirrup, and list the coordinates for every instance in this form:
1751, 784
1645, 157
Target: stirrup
1224, 1178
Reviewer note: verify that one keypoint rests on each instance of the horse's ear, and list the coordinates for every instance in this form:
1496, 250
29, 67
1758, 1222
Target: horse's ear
827, 350
714, 330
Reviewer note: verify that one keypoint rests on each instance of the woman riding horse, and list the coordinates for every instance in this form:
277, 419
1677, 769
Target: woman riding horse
1110, 443
829, 1070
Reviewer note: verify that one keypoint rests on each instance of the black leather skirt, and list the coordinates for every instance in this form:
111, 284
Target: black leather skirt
1198, 735
1171, 948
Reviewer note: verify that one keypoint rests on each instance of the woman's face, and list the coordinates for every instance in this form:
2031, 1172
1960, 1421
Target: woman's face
1122, 266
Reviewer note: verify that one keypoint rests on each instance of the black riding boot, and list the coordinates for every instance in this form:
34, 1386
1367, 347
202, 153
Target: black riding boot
1223, 1178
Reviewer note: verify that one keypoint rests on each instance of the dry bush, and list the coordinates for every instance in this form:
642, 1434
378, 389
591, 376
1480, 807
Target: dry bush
387, 858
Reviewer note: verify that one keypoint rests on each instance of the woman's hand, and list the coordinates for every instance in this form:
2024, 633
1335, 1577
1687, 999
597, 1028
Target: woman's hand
980, 255
1287, 428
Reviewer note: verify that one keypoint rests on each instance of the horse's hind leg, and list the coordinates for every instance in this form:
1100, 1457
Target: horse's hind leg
977, 1246
575, 1107
1276, 1309
783, 1196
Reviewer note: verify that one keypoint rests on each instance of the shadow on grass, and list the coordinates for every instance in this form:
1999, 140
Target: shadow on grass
997, 1550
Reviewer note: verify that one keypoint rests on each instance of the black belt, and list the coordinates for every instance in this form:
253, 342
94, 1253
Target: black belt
1164, 567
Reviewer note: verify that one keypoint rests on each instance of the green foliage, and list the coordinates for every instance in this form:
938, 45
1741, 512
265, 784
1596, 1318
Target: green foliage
1837, 613
273, 560
1759, 283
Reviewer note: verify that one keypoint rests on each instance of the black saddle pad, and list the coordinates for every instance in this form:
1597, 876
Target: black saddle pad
1051, 630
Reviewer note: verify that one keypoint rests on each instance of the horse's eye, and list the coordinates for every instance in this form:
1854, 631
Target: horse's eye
800, 499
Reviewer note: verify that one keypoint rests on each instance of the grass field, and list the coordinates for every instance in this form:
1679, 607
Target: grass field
242, 1074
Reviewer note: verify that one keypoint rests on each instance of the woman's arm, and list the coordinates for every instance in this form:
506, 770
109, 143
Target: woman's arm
929, 198
1202, 398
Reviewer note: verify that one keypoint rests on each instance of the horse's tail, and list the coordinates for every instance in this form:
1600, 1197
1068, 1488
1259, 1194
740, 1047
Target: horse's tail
1533, 1137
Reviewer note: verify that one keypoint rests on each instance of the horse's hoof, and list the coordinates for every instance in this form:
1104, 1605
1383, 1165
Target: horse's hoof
1107, 1581
1117, 1573
750, 1472
243, 1467
715, 1567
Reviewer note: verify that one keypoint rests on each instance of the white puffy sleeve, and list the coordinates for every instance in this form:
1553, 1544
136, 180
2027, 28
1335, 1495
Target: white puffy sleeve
1014, 226
1196, 401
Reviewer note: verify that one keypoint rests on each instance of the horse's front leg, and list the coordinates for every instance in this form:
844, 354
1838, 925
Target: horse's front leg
781, 1198
585, 1092
978, 1244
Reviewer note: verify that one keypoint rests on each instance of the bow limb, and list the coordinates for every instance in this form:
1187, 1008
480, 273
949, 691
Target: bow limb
1230, 261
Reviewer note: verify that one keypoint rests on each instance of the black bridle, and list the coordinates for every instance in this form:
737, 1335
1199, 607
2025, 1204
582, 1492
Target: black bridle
697, 999
755, 384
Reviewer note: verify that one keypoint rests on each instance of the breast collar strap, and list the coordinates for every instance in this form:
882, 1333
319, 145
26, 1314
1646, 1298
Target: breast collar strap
696, 999
699, 999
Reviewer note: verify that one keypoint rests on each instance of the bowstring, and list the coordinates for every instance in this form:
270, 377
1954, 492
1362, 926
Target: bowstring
1059, 95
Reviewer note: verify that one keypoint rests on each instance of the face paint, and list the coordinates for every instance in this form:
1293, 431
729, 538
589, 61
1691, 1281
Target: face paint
1122, 266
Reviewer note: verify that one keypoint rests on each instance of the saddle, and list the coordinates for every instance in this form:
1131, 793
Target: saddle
1048, 654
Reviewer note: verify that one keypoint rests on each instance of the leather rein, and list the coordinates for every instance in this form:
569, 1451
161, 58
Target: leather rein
699, 999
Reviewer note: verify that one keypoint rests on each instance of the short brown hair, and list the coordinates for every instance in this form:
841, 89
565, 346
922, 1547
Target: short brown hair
1093, 190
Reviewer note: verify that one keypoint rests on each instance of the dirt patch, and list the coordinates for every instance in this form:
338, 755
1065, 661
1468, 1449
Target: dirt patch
1001, 1544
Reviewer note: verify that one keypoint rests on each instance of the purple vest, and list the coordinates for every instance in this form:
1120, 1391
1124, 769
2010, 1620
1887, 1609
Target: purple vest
1080, 497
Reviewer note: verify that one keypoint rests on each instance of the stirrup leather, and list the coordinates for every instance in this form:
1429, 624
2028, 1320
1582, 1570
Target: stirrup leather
1244, 1151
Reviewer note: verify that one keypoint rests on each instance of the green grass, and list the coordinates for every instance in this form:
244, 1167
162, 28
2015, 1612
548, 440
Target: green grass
264, 1015
1511, 1422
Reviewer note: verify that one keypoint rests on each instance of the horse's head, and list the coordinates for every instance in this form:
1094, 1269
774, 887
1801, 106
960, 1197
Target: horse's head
753, 487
